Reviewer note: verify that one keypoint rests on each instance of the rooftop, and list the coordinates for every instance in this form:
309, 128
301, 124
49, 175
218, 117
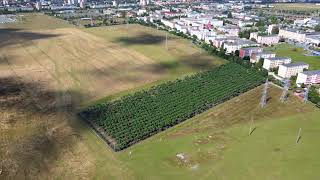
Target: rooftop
295, 64
277, 58
265, 52
248, 48
315, 72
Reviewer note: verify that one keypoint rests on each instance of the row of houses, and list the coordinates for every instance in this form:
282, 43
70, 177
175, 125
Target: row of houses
299, 69
212, 31
312, 38
286, 69
265, 39
307, 22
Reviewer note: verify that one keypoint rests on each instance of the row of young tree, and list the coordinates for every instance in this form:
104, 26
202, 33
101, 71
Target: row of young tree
138, 116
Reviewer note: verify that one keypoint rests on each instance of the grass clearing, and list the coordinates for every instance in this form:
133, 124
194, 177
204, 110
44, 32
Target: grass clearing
296, 6
296, 54
217, 146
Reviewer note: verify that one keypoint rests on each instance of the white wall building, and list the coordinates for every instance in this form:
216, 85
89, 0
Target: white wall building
288, 70
218, 42
255, 57
245, 23
292, 35
181, 28
231, 47
216, 23
268, 40
309, 77
229, 29
313, 40
270, 63
168, 23
144, 2
270, 28
254, 35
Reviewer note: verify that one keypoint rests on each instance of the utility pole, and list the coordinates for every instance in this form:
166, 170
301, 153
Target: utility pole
263, 101
167, 41
299, 136
306, 95
284, 95
251, 127
91, 20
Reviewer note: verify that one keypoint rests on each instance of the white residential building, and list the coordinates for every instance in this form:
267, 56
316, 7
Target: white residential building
216, 23
288, 70
5, 2
248, 51
229, 29
309, 77
271, 26
182, 28
293, 34
168, 23
268, 40
220, 39
313, 39
255, 57
270, 63
245, 23
254, 35
144, 2
196, 32
307, 22
231, 47
38, 6
140, 11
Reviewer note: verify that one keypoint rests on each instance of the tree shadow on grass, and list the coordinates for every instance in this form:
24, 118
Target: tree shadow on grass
36, 128
142, 39
138, 74
11, 36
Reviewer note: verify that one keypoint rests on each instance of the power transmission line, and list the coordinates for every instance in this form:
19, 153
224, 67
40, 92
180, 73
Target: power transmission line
284, 95
263, 101
306, 94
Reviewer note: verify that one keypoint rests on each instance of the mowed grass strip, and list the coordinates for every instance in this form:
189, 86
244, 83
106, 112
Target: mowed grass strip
136, 117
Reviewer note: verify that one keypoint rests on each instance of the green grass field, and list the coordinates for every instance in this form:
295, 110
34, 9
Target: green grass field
217, 146
296, 54
41, 136
296, 6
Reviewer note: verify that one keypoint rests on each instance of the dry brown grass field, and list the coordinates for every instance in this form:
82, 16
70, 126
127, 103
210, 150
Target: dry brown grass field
48, 69
45, 74
177, 55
